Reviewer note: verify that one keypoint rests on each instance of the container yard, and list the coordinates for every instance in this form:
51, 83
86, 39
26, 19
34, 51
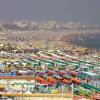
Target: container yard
51, 72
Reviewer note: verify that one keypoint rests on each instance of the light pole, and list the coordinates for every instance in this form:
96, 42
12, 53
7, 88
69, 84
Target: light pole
62, 92
72, 90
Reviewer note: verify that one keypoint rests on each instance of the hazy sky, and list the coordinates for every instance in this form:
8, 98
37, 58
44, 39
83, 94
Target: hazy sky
87, 11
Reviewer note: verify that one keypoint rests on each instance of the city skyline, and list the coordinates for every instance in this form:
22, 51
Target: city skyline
84, 11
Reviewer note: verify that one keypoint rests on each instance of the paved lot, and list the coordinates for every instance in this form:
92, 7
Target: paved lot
41, 98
